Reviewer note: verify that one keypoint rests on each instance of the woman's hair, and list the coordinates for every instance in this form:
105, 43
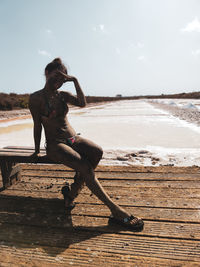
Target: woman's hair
56, 64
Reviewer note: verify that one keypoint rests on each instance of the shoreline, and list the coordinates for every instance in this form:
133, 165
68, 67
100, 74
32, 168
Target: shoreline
16, 118
187, 114
16, 114
20, 114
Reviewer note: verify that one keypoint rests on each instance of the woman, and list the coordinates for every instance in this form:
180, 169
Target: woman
49, 108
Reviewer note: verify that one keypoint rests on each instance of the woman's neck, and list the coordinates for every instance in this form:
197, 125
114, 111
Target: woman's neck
50, 91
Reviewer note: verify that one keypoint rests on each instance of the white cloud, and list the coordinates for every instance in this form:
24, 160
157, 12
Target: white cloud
140, 45
193, 26
49, 31
196, 52
136, 45
117, 50
94, 28
141, 58
44, 53
100, 28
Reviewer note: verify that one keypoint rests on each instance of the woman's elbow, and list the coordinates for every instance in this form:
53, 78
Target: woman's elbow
82, 104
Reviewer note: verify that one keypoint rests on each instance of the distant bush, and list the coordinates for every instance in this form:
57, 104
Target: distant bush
23, 101
13, 101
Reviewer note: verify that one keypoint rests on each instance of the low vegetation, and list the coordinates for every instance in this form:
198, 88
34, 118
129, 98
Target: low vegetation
13, 101
19, 101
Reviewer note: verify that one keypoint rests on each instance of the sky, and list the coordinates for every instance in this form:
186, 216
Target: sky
127, 47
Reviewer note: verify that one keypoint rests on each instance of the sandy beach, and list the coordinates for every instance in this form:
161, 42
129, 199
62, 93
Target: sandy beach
8, 115
142, 132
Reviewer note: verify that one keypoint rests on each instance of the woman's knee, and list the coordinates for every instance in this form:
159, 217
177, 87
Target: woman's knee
99, 153
97, 156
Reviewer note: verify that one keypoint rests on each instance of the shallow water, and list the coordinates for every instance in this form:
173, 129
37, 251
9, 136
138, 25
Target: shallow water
119, 125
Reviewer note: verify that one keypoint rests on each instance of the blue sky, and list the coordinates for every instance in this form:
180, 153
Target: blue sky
128, 47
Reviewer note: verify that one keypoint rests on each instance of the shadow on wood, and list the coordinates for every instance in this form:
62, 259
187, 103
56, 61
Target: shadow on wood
42, 222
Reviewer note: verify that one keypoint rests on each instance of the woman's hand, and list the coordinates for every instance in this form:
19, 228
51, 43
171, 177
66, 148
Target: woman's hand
80, 99
68, 78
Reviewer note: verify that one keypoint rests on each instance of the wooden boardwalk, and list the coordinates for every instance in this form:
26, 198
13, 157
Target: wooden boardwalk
35, 232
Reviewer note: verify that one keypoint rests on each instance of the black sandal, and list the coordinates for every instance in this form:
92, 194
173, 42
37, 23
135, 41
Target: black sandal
65, 191
128, 223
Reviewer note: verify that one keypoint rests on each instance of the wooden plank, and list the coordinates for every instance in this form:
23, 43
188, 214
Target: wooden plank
16, 154
132, 169
25, 158
121, 191
77, 241
159, 229
9, 172
112, 175
8, 153
147, 213
113, 183
4, 172
32, 255
21, 151
86, 197
21, 148
159, 214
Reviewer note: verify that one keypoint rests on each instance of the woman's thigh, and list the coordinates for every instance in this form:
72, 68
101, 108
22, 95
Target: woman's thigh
64, 154
88, 150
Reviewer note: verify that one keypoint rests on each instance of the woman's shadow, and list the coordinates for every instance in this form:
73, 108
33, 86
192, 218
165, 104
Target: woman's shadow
40, 222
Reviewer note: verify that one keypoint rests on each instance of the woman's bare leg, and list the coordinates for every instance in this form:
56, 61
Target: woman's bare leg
93, 153
64, 154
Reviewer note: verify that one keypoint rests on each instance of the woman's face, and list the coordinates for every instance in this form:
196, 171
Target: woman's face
55, 79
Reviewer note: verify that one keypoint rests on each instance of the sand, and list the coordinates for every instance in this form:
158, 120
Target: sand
9, 115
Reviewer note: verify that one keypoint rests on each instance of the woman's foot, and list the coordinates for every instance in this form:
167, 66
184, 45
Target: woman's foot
127, 220
68, 201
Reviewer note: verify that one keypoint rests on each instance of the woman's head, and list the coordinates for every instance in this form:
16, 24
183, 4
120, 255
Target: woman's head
55, 65
55, 73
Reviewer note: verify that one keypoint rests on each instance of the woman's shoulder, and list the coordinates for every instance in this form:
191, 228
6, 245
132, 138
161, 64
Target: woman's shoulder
38, 93
36, 97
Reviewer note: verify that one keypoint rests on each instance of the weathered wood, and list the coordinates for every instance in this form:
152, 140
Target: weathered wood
9, 172
54, 186
147, 213
75, 241
4, 172
8, 158
32, 256
56, 219
21, 148
34, 230
109, 175
24, 158
132, 183
146, 170
137, 192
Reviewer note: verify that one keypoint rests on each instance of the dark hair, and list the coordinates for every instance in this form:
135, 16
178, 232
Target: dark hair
56, 64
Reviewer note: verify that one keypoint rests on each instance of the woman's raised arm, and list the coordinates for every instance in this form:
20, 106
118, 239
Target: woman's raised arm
78, 100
